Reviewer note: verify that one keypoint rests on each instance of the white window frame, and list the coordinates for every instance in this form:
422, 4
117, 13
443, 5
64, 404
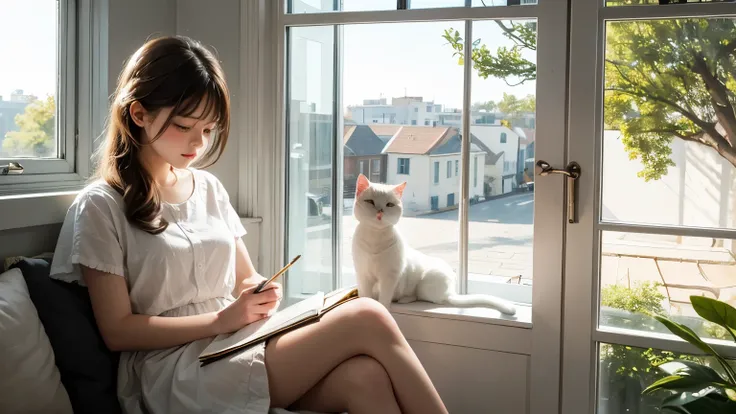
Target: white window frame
582, 335
82, 104
540, 341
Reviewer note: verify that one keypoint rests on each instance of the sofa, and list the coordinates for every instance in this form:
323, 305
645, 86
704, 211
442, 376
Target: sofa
52, 357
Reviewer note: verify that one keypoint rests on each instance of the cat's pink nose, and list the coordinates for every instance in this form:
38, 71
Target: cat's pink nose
379, 215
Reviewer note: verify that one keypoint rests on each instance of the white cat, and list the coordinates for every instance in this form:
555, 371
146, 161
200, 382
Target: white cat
388, 269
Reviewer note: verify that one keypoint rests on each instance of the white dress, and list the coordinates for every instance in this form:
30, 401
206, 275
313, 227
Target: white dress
186, 270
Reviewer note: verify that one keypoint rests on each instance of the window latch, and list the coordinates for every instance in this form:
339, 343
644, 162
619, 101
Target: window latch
11, 168
572, 172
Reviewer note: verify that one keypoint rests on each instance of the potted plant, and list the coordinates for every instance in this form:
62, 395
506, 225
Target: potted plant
697, 388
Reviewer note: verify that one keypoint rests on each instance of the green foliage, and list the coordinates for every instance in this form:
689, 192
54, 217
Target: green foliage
695, 387
644, 297
36, 131
506, 63
664, 79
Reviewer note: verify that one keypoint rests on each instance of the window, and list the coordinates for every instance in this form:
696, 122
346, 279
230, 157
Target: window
429, 108
426, 123
503, 137
364, 167
315, 6
457, 167
38, 102
662, 227
413, 121
449, 169
403, 166
475, 171
375, 170
489, 244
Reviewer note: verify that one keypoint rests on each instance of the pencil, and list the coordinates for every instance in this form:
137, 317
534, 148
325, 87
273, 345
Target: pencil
279, 273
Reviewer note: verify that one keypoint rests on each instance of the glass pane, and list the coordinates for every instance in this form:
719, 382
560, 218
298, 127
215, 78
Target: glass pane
398, 122
321, 6
488, 3
668, 114
610, 3
624, 372
28, 78
432, 4
503, 133
310, 132
658, 274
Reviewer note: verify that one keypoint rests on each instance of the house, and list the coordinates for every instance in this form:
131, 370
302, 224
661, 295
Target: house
528, 136
428, 159
362, 155
504, 143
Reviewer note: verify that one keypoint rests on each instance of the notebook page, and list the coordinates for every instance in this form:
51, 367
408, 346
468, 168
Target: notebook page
300, 310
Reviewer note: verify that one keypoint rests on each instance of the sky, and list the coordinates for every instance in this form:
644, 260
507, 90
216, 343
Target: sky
388, 60
414, 59
28, 49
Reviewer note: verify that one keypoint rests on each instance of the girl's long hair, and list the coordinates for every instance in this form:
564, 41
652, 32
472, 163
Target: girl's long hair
175, 72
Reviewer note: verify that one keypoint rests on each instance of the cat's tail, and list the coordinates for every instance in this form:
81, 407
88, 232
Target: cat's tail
482, 300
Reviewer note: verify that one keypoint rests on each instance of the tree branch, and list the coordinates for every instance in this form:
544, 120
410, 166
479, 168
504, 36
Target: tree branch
719, 99
511, 34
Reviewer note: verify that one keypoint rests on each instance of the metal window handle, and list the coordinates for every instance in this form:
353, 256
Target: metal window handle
572, 172
11, 168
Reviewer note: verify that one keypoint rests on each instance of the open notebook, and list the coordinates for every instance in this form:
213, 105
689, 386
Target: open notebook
298, 314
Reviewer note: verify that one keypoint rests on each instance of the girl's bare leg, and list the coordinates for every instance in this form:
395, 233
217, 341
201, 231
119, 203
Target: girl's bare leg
296, 361
359, 385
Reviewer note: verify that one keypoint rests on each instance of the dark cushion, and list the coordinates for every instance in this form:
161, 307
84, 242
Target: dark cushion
88, 368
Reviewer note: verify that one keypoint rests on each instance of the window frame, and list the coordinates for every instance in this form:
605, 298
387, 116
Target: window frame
436, 172
544, 371
81, 106
582, 335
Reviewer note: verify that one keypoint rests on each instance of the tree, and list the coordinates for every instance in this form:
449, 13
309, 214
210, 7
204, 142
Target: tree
489, 106
36, 135
514, 108
664, 79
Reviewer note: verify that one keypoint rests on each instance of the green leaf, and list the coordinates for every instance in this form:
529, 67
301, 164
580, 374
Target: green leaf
692, 369
731, 394
676, 383
684, 399
716, 311
687, 334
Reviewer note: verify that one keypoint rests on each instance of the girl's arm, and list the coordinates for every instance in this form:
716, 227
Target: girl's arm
122, 330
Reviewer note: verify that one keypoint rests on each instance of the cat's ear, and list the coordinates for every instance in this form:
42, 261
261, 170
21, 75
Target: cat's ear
399, 189
363, 184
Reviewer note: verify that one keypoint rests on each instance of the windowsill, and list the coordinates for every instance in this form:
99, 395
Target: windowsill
35, 209
522, 319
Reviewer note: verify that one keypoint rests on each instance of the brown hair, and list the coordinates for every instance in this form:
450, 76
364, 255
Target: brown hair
175, 72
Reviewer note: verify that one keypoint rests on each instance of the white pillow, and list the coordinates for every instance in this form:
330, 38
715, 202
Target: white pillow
29, 379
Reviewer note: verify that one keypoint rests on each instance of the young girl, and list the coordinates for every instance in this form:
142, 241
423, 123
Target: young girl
158, 245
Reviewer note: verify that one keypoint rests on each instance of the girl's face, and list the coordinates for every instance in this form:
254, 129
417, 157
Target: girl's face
183, 142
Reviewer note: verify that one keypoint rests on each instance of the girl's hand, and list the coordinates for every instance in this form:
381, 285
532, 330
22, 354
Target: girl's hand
248, 308
248, 283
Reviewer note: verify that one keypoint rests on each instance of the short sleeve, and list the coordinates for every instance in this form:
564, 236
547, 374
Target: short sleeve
229, 215
89, 237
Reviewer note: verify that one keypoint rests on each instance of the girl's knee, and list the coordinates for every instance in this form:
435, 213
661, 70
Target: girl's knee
368, 321
365, 375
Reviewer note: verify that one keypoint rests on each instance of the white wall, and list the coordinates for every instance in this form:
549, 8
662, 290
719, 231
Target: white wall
490, 135
416, 194
420, 181
696, 192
